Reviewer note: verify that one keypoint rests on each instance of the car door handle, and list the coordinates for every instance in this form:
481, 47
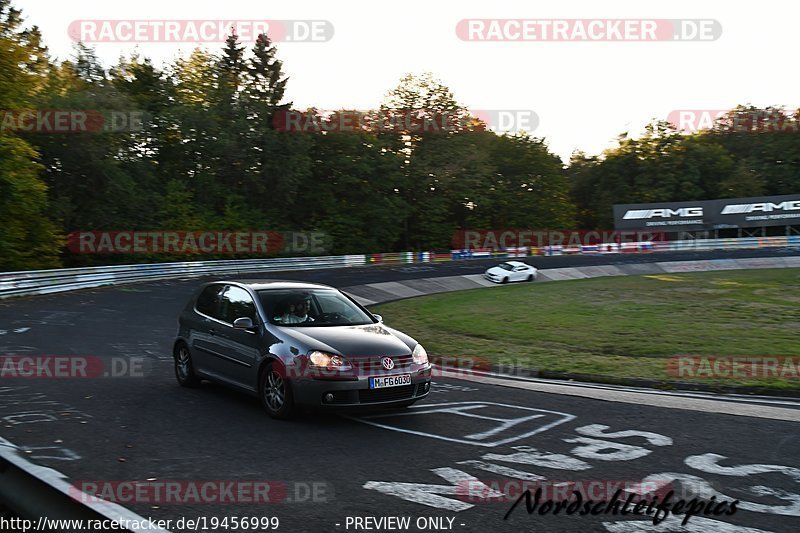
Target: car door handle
212, 332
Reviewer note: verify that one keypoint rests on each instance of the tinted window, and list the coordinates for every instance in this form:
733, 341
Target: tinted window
236, 303
208, 301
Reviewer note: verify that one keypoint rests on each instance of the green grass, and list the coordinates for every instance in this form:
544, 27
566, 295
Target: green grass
619, 327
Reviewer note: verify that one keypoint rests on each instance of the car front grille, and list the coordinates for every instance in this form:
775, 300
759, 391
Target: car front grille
375, 364
405, 392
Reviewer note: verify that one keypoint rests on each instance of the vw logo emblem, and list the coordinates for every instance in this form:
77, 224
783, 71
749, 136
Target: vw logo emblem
387, 363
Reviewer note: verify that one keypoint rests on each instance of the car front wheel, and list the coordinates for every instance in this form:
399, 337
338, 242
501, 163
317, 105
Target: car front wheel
184, 371
275, 392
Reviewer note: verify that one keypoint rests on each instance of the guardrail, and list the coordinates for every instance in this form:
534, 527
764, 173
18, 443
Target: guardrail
49, 281
67, 279
636, 247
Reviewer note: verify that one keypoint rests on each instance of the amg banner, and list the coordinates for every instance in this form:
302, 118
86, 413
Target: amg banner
710, 214
670, 216
759, 211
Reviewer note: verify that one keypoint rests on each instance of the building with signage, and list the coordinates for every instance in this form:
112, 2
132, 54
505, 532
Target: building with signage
731, 217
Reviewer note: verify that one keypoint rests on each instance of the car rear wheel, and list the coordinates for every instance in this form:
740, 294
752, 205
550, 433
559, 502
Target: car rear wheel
184, 371
275, 392
530, 277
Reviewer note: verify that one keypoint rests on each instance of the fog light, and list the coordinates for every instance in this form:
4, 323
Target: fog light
427, 386
329, 397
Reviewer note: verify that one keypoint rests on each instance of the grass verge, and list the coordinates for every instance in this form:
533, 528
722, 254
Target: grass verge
617, 327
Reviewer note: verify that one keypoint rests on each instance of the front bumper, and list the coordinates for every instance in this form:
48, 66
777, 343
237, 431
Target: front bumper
355, 392
492, 277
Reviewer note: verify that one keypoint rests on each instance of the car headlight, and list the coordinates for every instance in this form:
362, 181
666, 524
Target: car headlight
419, 355
329, 361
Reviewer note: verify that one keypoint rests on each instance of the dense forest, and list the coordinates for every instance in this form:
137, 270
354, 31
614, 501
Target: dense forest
207, 155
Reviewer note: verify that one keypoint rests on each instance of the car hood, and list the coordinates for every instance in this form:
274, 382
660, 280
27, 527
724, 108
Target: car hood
498, 271
353, 341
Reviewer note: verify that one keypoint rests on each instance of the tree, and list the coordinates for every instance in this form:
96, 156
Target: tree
764, 141
437, 167
351, 193
28, 237
467, 176
529, 187
660, 166
266, 84
93, 175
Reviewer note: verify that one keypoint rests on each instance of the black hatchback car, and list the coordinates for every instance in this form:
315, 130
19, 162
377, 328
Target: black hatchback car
297, 344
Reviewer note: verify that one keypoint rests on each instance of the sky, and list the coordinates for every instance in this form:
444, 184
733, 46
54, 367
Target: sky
584, 93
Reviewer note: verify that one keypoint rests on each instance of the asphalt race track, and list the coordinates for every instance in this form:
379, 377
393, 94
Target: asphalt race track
438, 463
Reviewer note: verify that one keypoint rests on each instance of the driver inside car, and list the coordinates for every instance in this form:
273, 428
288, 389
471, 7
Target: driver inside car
298, 311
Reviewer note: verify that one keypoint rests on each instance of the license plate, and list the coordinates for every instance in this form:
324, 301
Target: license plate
389, 381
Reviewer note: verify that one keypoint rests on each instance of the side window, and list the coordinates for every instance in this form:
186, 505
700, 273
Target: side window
236, 303
208, 301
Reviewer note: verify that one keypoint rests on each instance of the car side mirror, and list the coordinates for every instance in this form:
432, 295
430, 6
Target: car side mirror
379, 318
244, 322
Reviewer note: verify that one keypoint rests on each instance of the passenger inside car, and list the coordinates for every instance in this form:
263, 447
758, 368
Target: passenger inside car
288, 311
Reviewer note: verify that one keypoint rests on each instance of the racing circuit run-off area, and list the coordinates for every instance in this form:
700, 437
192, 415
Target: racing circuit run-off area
450, 267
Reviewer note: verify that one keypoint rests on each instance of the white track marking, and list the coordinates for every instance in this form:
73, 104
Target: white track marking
702, 489
462, 484
502, 470
709, 462
53, 453
58, 481
592, 448
640, 398
531, 456
751, 399
596, 430
464, 409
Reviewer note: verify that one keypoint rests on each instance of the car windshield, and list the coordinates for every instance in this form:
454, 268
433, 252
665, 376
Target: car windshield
506, 266
311, 307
